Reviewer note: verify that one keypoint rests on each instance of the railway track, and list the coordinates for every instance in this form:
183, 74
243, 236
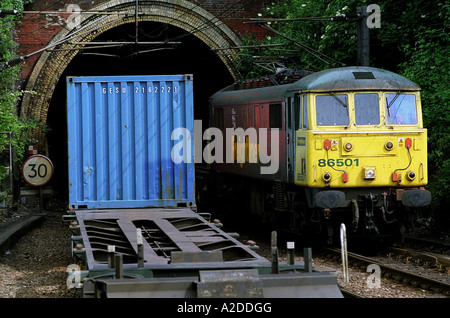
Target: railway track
401, 275
427, 245
424, 258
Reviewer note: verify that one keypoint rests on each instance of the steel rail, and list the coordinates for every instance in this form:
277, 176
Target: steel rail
349, 294
436, 244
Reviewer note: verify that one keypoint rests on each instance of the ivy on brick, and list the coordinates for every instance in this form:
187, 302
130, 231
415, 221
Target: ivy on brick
10, 122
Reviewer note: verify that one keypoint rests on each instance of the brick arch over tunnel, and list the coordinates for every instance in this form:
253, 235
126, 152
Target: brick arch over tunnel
52, 62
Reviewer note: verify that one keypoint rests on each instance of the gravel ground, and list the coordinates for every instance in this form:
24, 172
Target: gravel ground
36, 266
359, 280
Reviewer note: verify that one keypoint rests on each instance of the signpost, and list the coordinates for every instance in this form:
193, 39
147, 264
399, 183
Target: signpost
37, 171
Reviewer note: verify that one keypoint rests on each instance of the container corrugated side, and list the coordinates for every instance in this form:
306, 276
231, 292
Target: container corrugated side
119, 141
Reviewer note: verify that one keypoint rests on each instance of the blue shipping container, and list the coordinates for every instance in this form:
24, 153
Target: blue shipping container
120, 141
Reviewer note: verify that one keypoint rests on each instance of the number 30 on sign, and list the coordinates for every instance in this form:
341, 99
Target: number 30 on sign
37, 170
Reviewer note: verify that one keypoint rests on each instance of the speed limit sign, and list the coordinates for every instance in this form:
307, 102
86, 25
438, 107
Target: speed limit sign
37, 170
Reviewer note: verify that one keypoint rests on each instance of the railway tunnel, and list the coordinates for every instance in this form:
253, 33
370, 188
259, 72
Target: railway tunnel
167, 38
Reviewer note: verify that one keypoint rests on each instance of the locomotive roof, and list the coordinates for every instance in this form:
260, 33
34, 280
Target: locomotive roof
354, 78
336, 79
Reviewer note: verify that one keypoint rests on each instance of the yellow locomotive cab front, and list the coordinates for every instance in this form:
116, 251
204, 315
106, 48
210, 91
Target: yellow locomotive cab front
347, 147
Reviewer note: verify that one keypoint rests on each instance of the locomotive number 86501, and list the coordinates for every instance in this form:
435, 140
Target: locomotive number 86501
351, 149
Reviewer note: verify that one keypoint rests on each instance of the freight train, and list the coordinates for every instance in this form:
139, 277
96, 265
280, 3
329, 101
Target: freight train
343, 145
135, 229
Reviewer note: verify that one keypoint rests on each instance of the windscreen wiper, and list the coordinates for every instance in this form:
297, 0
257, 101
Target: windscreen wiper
388, 105
339, 101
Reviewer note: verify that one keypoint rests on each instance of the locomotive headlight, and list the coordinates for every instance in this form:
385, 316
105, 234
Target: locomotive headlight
389, 145
369, 173
326, 177
348, 146
410, 175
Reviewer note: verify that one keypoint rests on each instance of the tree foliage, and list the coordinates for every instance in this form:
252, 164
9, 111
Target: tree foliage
9, 94
319, 44
427, 63
413, 40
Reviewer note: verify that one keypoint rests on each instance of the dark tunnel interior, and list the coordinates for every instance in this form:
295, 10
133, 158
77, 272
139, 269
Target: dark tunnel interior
189, 56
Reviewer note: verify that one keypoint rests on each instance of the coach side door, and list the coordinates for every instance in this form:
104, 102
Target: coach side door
301, 102
291, 115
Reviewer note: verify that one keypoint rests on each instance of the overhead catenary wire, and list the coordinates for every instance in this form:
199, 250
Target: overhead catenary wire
342, 17
30, 16
45, 11
250, 46
308, 49
233, 8
64, 39
106, 43
204, 25
215, 18
81, 12
173, 40
264, 23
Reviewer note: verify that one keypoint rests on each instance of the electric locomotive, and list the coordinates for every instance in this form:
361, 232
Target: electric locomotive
344, 145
